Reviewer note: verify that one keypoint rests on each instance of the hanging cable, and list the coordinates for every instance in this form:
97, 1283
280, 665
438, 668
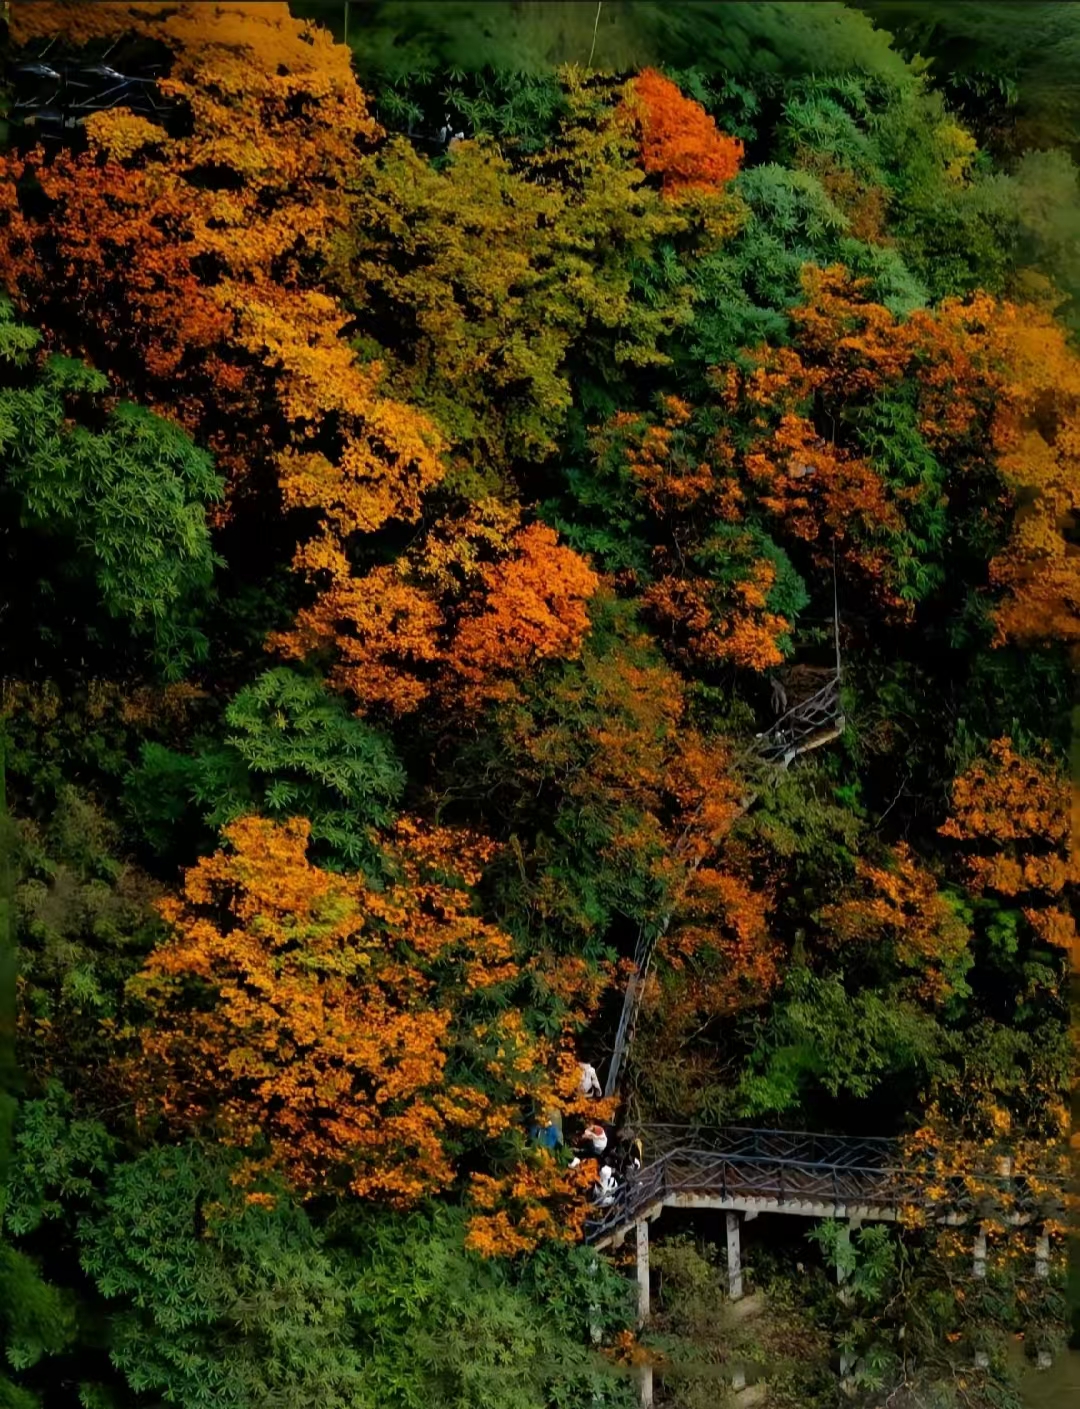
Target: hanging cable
836, 610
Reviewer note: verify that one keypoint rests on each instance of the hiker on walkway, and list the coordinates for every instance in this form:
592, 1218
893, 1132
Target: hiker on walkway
548, 1131
590, 1082
605, 1190
594, 1141
628, 1152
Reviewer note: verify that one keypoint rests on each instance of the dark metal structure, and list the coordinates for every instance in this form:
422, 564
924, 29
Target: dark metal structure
808, 725
55, 89
811, 723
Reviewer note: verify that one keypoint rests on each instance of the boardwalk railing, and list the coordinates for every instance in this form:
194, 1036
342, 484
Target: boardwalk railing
820, 718
795, 1172
871, 1151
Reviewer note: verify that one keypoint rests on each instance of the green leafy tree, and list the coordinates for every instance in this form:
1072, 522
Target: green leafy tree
109, 500
291, 749
36, 1320
35, 1317
85, 921
1008, 67
745, 37
821, 1037
444, 1328
220, 1301
58, 1167
870, 1265
474, 296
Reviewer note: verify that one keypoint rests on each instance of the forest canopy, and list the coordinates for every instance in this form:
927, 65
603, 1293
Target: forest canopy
520, 514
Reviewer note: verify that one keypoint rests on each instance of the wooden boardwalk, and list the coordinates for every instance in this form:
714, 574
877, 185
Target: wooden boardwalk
748, 1171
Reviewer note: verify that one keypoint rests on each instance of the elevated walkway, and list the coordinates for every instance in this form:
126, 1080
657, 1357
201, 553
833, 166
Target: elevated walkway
748, 1171
810, 725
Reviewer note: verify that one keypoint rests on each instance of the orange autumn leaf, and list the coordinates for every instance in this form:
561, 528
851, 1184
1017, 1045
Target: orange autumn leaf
671, 471
723, 921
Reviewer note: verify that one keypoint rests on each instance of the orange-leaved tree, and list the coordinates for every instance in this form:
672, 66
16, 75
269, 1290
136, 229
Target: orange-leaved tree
361, 1040
715, 598
993, 1137
644, 802
901, 438
612, 738
188, 266
1010, 818
1037, 441
706, 622
898, 912
480, 605
872, 431
679, 141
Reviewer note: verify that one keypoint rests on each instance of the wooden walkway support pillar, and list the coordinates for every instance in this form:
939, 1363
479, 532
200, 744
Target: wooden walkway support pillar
978, 1268
645, 1387
1042, 1255
642, 1233
645, 1376
596, 1333
734, 1258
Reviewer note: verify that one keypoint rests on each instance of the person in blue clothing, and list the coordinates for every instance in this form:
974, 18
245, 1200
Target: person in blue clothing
547, 1132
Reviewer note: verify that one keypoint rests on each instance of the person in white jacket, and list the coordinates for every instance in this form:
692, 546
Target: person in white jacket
594, 1140
605, 1190
590, 1082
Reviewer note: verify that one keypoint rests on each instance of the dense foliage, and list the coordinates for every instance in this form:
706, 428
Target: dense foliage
427, 460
